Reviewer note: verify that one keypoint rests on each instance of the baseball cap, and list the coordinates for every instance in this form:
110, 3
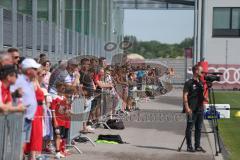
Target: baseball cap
30, 63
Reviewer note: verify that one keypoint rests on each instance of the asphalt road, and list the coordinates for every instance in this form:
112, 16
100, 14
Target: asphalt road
153, 133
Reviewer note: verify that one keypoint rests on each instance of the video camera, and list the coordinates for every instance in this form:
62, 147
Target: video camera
213, 76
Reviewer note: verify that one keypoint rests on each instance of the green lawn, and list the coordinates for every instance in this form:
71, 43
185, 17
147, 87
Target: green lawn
230, 128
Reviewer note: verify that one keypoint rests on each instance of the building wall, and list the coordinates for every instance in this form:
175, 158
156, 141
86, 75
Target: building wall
61, 28
223, 54
216, 50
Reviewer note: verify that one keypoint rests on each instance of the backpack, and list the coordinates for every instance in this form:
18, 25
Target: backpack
109, 137
115, 124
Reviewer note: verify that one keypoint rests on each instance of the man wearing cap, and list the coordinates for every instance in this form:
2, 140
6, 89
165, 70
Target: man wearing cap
25, 83
69, 76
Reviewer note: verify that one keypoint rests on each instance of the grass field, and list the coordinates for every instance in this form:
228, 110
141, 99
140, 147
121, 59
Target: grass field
230, 128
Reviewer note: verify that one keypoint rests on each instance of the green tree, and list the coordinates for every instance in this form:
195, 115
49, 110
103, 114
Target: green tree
156, 49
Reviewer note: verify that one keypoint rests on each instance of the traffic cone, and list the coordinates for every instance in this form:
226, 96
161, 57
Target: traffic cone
237, 114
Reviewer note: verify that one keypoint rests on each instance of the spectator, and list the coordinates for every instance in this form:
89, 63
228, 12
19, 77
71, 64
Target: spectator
42, 58
94, 62
41, 75
15, 55
120, 84
69, 76
19, 66
99, 86
88, 89
25, 82
102, 62
46, 67
8, 76
60, 107
36, 141
113, 97
55, 72
5, 58
131, 83
140, 75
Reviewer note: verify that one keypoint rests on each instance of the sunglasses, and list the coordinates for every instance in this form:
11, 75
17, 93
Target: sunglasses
16, 57
34, 69
42, 75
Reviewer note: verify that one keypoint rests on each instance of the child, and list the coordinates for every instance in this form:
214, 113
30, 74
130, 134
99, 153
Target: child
60, 112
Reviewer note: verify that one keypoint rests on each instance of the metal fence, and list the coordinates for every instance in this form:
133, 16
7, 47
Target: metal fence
11, 136
78, 117
80, 113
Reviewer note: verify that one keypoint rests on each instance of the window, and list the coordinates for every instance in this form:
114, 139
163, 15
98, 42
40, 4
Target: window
25, 6
68, 14
6, 4
226, 22
43, 9
221, 18
236, 18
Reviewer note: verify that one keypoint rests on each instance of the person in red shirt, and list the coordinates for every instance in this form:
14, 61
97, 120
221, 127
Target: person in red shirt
61, 119
8, 76
100, 84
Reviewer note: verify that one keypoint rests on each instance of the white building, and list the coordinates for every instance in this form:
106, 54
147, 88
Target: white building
218, 38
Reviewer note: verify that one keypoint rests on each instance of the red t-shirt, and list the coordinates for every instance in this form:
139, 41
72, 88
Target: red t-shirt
59, 105
6, 94
96, 77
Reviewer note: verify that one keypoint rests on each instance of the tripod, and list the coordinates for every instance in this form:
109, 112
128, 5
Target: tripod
213, 119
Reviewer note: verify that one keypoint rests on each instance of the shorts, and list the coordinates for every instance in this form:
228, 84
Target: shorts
96, 102
62, 131
27, 129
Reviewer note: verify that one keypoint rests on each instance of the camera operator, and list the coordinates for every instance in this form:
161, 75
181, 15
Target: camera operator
193, 102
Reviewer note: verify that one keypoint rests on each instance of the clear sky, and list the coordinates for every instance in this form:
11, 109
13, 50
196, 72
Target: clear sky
167, 26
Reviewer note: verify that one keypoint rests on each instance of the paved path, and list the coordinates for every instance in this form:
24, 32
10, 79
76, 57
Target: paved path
153, 133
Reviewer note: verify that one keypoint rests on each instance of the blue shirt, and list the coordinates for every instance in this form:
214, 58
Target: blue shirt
140, 74
29, 96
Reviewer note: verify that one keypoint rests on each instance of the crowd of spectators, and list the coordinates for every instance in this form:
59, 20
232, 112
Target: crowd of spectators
44, 94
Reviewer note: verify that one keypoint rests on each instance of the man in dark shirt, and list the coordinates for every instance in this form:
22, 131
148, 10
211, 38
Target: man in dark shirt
85, 77
88, 90
193, 102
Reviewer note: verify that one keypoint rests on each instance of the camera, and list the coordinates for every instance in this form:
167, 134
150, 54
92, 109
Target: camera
213, 76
